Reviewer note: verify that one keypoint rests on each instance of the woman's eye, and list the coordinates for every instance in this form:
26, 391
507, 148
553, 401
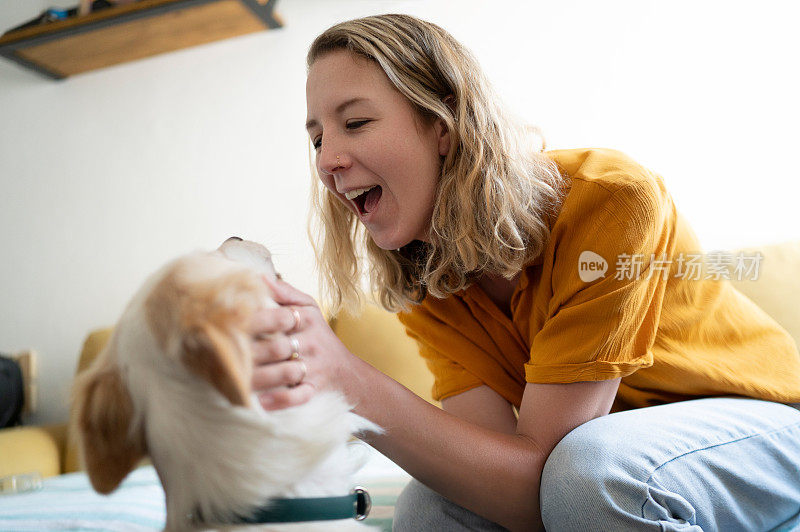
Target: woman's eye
351, 125
357, 124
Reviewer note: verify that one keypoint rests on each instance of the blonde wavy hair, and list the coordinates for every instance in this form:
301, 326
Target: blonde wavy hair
495, 190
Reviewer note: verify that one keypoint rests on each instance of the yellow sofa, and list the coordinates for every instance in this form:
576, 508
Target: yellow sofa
379, 338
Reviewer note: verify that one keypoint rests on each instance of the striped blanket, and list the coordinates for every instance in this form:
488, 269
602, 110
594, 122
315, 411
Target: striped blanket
68, 502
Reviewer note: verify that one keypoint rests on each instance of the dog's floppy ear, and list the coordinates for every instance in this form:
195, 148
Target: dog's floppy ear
104, 414
212, 355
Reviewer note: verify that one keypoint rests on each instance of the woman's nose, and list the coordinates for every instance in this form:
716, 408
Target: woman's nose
331, 162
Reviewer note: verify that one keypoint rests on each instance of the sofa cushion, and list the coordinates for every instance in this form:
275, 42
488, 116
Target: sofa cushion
777, 285
31, 449
377, 337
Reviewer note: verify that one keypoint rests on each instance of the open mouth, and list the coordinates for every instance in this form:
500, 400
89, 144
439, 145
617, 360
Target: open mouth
367, 200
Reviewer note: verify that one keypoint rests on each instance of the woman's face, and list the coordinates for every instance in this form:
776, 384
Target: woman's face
367, 135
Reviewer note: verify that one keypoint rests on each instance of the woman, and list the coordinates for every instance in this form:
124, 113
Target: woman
500, 257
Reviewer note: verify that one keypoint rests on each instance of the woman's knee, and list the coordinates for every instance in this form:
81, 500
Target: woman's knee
569, 479
592, 473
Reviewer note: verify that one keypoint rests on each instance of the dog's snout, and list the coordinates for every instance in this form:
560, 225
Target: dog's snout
234, 238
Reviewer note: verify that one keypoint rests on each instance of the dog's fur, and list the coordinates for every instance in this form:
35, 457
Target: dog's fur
173, 384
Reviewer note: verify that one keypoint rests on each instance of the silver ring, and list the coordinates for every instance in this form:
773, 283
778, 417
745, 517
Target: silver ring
305, 372
295, 346
296, 316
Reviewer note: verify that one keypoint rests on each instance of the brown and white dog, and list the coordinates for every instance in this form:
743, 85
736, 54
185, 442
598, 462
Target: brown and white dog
173, 384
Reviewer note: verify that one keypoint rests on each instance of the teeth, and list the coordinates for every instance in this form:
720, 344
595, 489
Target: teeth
357, 192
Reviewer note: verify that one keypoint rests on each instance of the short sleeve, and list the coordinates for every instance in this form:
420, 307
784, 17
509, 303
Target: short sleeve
608, 283
434, 338
449, 378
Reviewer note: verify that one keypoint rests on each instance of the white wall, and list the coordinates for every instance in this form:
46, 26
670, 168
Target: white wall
107, 175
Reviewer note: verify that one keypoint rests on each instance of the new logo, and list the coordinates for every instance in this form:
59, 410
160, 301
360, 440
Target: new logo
591, 266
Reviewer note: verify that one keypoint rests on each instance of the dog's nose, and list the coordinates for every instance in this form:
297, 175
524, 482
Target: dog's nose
234, 238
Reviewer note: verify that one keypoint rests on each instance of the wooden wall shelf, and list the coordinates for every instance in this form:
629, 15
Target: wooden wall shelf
133, 31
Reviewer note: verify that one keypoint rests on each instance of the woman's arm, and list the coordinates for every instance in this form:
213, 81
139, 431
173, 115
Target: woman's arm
491, 473
484, 407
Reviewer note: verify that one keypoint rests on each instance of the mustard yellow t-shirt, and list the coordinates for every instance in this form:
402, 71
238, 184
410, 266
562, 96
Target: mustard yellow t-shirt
670, 331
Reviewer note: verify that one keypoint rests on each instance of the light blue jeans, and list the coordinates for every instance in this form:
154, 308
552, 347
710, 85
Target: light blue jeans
725, 464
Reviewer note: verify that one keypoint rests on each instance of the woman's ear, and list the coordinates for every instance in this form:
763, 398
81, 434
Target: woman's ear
443, 137
442, 132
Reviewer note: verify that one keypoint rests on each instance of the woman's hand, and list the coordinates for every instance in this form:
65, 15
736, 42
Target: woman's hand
297, 326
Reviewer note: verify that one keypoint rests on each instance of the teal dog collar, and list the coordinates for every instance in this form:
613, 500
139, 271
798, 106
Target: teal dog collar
356, 506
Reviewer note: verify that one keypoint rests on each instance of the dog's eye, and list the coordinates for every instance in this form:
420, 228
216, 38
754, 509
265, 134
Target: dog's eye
278, 276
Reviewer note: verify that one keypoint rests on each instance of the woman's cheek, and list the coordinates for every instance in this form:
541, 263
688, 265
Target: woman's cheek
327, 180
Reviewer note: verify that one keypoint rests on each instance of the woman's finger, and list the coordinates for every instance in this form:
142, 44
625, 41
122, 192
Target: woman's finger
279, 374
286, 397
273, 348
268, 321
286, 294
